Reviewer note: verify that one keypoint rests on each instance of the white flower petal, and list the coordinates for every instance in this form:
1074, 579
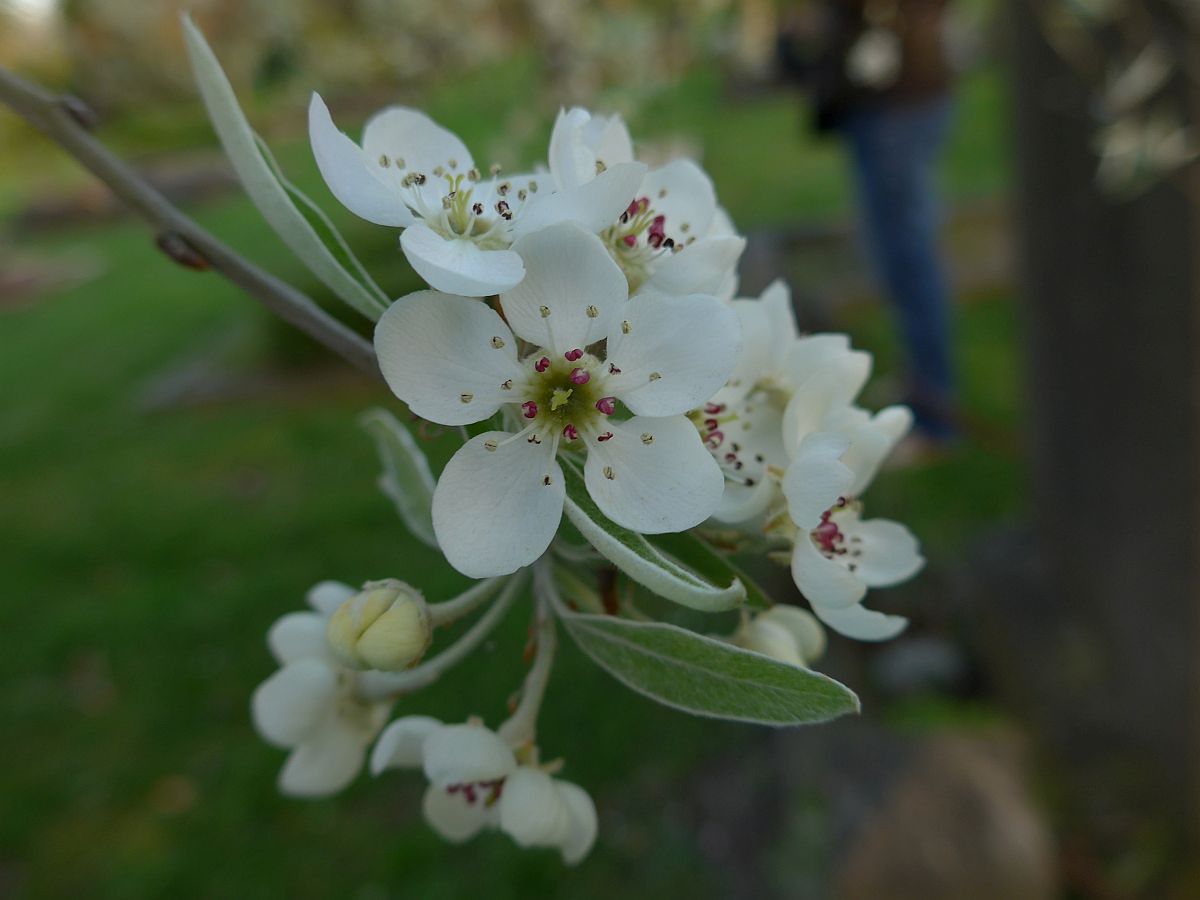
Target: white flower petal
825, 583
359, 185
326, 762
822, 393
438, 354
326, 596
594, 205
805, 630
683, 193
860, 623
493, 511
816, 479
452, 817
609, 139
569, 273
663, 479
458, 265
572, 161
872, 441
780, 315
466, 753
299, 635
582, 834
421, 144
673, 354
289, 705
401, 744
700, 268
753, 357
532, 812
890, 552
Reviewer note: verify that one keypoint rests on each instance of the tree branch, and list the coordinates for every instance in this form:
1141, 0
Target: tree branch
66, 121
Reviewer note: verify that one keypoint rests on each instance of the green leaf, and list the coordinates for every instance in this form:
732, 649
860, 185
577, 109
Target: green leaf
693, 551
634, 555
311, 237
706, 676
406, 477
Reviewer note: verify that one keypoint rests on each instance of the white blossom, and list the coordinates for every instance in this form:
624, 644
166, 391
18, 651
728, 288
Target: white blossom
455, 361
838, 555
385, 627
477, 781
459, 223
310, 706
673, 237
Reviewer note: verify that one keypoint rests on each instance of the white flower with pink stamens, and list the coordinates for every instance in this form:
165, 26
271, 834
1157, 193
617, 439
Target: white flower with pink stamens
459, 223
477, 781
571, 358
838, 555
672, 238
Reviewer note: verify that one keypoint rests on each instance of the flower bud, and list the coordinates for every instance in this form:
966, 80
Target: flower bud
384, 627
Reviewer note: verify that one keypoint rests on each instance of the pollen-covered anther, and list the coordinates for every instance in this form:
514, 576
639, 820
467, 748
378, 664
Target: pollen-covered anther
533, 187
607, 436
466, 397
647, 438
654, 376
580, 376
608, 473
573, 355
453, 163
472, 174
547, 480
507, 386
592, 312
477, 208
400, 162
626, 327
544, 311
494, 169
541, 365
601, 168
607, 405
570, 432
490, 446
529, 409
503, 209
522, 194
497, 342
613, 370
439, 171
503, 188
384, 161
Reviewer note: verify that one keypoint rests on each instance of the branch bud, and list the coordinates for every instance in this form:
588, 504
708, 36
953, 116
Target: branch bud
385, 627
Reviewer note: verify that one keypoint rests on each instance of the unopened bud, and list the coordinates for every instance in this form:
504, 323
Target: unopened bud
384, 627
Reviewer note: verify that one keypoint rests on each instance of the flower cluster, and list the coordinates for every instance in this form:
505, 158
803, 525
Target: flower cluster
580, 331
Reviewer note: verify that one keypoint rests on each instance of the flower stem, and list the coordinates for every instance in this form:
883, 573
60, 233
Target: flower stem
65, 121
452, 610
382, 685
521, 726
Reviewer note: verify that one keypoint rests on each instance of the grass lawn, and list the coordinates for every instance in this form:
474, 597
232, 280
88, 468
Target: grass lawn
145, 555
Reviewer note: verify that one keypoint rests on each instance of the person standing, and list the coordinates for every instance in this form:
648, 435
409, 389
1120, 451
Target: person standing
880, 78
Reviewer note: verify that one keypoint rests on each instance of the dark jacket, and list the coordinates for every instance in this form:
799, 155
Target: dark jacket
819, 62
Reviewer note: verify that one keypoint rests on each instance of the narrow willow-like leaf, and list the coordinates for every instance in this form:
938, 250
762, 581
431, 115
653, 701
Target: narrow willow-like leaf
696, 553
268, 194
636, 557
406, 477
706, 676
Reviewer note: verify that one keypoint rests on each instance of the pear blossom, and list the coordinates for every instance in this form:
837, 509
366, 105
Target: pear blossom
477, 781
386, 627
673, 237
310, 706
459, 224
571, 346
786, 633
784, 386
838, 555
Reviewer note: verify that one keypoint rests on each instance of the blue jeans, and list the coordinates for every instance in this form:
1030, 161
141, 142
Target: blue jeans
894, 149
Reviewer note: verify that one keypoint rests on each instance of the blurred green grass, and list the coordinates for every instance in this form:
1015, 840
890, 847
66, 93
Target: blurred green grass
145, 555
